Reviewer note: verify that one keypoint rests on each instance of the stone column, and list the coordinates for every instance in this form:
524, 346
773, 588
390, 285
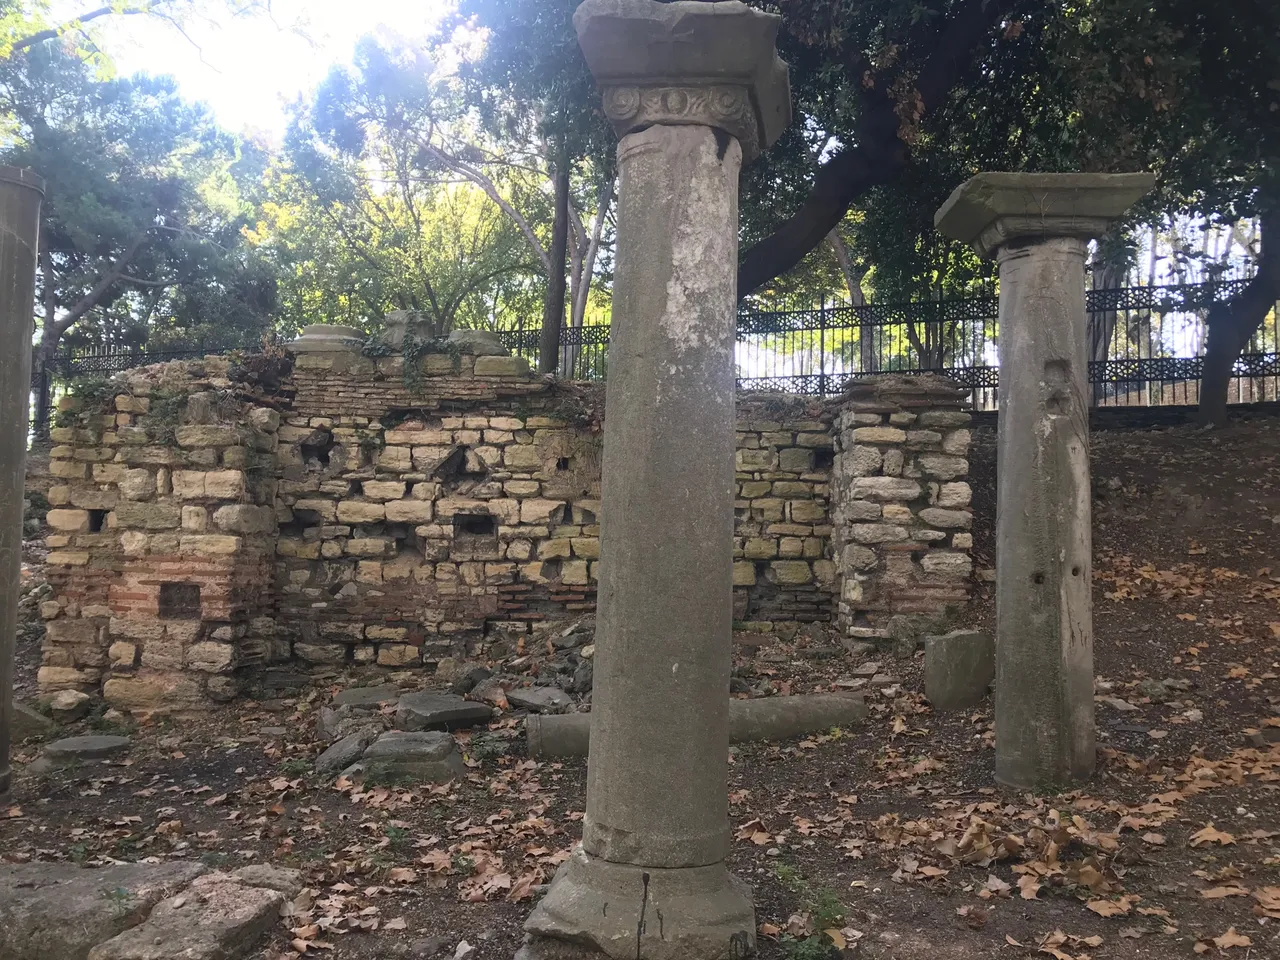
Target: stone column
21, 193
1038, 226
693, 89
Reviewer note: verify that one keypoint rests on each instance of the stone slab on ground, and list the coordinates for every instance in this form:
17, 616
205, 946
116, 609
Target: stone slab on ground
367, 698
59, 911
440, 711
429, 756
958, 668
347, 750
89, 747
219, 917
539, 699
284, 879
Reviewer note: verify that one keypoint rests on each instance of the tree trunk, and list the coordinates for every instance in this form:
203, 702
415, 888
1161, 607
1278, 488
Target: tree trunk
553, 307
1232, 323
1109, 274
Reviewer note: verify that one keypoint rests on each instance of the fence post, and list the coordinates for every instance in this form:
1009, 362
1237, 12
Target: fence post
822, 347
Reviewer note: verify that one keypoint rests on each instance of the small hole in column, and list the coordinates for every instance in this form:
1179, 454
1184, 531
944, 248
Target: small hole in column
1075, 571
1037, 578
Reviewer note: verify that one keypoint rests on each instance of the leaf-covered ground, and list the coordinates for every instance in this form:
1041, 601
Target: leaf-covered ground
889, 841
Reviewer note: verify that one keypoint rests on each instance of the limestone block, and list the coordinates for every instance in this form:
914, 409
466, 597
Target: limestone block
68, 469
409, 511
195, 519
814, 440
448, 506
522, 488
320, 652
877, 533
122, 654
885, 488
793, 489
522, 457
860, 461
753, 489
52, 679
225, 484
958, 668
879, 435
962, 541
153, 692
944, 418
265, 419
398, 654
137, 484
958, 494
792, 572
947, 519
133, 543
395, 459
539, 511
957, 443
244, 519
791, 547
147, 516
370, 547
289, 547
824, 571
71, 521
188, 484
67, 558
574, 572
859, 510
359, 511
760, 548
207, 435
210, 657
768, 508
897, 513
923, 439
330, 550
586, 547
555, 548
942, 466
501, 367
751, 460
383, 489
796, 459
944, 563
211, 545
744, 573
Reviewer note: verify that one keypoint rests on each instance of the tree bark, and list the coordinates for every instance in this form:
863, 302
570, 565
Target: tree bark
1100, 327
1232, 323
553, 306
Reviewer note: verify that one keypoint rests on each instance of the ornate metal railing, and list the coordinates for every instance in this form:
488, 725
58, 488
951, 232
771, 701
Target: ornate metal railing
1146, 346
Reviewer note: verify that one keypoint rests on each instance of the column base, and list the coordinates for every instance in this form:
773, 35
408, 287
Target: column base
636, 913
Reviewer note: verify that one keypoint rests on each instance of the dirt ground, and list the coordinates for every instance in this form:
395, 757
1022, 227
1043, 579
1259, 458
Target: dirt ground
893, 837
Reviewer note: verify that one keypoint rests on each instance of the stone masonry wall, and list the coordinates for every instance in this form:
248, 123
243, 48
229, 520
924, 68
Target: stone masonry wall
207, 522
902, 516
163, 538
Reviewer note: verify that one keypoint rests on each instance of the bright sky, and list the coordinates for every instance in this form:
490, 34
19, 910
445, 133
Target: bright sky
248, 69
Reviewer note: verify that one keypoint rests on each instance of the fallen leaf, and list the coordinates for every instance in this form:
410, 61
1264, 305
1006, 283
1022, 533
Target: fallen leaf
1218, 893
1028, 888
1211, 835
836, 937
1155, 839
1231, 939
1110, 908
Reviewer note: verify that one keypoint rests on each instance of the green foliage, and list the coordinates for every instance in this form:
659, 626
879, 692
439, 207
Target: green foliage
816, 947
142, 212
413, 349
485, 746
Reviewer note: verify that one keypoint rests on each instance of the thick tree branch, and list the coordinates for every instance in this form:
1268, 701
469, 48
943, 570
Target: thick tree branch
876, 154
54, 32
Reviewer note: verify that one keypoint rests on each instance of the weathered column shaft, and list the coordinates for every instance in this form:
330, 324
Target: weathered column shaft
21, 193
657, 785
1044, 625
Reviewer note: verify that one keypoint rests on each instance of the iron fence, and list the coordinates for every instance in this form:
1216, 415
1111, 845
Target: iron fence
1146, 348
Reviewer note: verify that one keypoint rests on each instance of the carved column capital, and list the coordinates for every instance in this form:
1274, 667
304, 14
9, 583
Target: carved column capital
725, 106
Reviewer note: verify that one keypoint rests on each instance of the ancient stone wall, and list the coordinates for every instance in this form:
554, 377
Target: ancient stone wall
902, 506
163, 540
208, 521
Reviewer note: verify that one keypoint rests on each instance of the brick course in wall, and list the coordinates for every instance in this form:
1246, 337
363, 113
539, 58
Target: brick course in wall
347, 513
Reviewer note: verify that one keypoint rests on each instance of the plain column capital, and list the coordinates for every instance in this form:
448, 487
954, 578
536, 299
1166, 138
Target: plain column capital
992, 210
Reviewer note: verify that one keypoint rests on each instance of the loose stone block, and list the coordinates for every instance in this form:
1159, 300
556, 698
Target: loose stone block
432, 757
244, 519
877, 533
501, 367
440, 711
398, 654
958, 668
951, 495
947, 519
383, 489
71, 521
943, 467
791, 571
137, 484
409, 511
200, 435
947, 564
148, 516
885, 488
879, 435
